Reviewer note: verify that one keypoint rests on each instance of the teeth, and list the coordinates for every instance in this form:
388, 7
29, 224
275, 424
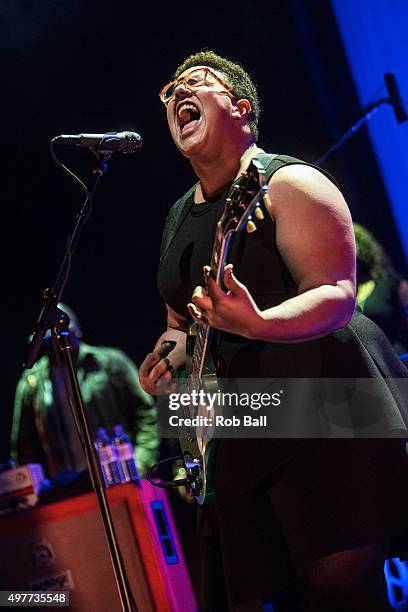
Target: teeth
186, 107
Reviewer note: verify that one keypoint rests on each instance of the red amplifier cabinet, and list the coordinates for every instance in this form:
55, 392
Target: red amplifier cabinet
62, 546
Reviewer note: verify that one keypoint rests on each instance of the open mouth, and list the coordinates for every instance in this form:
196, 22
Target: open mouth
187, 114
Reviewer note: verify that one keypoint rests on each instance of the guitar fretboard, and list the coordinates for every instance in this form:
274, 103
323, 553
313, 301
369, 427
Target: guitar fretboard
243, 198
203, 330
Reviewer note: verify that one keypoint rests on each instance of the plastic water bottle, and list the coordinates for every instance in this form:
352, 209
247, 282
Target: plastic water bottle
124, 453
110, 466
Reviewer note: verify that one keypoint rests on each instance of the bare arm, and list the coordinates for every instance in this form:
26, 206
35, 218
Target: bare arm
315, 237
154, 370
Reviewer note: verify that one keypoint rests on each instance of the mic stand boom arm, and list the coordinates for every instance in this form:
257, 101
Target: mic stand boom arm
366, 115
394, 98
54, 319
53, 296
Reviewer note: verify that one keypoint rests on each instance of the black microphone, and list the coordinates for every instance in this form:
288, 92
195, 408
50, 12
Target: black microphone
395, 97
124, 142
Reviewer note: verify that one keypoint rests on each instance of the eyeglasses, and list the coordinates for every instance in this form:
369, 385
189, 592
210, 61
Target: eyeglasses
197, 77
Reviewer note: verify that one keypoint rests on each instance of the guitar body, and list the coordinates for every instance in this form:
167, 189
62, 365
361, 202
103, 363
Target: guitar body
200, 467
199, 458
198, 444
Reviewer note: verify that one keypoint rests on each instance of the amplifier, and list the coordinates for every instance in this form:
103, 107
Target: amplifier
62, 546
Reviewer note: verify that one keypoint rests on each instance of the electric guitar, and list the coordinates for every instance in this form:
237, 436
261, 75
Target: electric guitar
243, 204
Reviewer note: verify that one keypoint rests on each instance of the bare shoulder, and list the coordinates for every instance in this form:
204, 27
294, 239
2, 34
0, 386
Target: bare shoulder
303, 185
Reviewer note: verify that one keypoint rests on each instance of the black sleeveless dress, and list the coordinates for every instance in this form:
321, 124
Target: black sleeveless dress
288, 502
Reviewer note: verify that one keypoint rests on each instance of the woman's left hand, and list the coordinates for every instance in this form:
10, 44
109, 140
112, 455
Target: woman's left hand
234, 312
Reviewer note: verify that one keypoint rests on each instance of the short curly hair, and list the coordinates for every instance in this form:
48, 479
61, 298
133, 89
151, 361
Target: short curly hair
236, 78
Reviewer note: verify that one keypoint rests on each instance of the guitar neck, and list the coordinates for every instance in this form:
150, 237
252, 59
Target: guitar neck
217, 264
243, 199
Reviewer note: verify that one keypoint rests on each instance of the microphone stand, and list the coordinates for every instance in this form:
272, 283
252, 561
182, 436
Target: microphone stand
54, 319
366, 115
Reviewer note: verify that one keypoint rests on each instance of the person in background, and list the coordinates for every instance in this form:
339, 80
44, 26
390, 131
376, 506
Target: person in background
43, 428
382, 293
